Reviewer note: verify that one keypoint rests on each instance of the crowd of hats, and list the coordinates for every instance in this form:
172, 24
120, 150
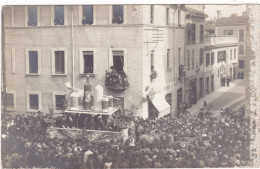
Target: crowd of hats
118, 121
183, 142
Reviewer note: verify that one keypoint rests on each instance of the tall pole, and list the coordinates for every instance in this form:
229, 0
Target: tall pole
3, 64
72, 36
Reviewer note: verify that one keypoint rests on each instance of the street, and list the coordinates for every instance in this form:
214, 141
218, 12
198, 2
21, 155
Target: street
232, 97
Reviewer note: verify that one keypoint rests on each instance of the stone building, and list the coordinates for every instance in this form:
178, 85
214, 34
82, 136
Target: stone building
47, 46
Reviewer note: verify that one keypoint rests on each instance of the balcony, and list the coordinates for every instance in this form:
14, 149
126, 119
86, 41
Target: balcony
116, 80
220, 40
182, 72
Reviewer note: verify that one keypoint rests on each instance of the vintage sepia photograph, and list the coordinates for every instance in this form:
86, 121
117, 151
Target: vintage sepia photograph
104, 86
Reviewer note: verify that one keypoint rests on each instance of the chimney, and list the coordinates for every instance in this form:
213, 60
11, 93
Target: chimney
218, 14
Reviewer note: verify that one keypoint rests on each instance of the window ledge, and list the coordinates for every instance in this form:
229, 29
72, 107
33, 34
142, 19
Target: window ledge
33, 110
33, 74
84, 74
59, 74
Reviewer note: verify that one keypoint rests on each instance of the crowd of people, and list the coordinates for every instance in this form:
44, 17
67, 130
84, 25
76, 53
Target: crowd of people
187, 141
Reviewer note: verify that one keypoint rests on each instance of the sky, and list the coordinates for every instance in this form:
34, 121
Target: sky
226, 10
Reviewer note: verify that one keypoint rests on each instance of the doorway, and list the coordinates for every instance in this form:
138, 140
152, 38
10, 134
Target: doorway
207, 84
193, 92
212, 82
201, 87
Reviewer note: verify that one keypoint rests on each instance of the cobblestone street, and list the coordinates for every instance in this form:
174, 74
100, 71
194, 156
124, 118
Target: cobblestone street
232, 97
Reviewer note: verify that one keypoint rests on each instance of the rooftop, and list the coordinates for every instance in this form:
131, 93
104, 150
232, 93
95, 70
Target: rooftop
196, 12
233, 20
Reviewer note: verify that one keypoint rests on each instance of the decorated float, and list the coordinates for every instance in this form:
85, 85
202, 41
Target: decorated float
92, 114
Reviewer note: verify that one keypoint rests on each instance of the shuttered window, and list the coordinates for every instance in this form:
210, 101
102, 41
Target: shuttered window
34, 101
32, 15
33, 62
88, 61
118, 60
60, 99
59, 62
59, 15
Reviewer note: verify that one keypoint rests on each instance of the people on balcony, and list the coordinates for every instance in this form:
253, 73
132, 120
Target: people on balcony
116, 80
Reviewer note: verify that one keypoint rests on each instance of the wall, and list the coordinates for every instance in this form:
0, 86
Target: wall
103, 37
213, 69
46, 37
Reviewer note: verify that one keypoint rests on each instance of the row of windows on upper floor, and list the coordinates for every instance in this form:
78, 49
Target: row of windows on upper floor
87, 60
210, 57
241, 34
34, 101
59, 61
118, 15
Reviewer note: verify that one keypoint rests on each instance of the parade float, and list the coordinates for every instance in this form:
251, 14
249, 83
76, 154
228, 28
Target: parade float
92, 114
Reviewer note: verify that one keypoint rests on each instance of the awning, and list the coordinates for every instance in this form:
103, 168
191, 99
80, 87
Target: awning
160, 104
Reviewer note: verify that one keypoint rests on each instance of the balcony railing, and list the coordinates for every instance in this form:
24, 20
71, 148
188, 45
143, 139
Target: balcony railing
116, 80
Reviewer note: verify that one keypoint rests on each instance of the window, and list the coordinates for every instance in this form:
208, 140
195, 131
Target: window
241, 50
34, 101
33, 62
241, 64
119, 102
167, 16
59, 15
118, 60
231, 54
32, 15
151, 13
118, 14
8, 100
191, 33
168, 59
235, 53
188, 59
201, 56
88, 61
59, 62
221, 56
59, 102
192, 58
87, 14
207, 59
201, 33
241, 35
212, 58
228, 32
179, 18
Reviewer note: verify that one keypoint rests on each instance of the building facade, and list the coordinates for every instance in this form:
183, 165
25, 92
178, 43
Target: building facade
220, 61
194, 88
47, 46
237, 26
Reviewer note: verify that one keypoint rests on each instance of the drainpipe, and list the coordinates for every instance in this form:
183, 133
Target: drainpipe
3, 64
72, 38
173, 40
